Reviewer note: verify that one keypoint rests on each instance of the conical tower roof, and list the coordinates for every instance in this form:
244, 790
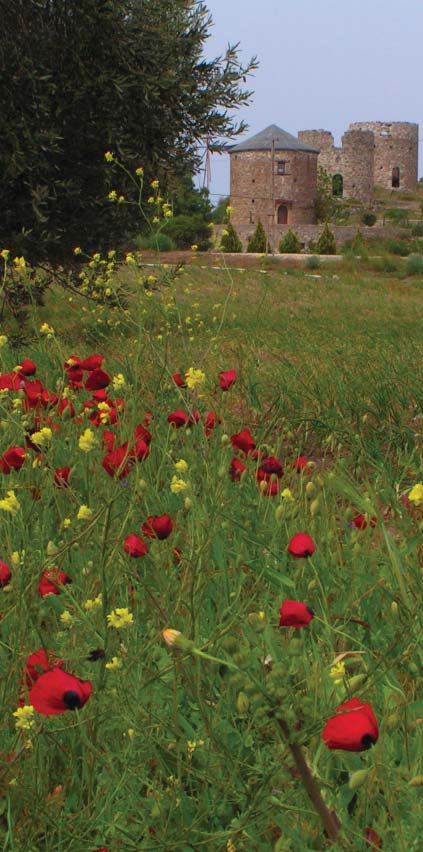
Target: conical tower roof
264, 140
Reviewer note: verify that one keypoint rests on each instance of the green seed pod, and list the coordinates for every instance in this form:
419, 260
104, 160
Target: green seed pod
312, 585
315, 507
310, 489
51, 549
279, 513
357, 548
356, 681
357, 779
394, 609
225, 439
242, 703
257, 621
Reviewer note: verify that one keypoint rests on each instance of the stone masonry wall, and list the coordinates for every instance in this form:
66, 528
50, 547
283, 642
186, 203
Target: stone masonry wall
354, 161
396, 146
257, 190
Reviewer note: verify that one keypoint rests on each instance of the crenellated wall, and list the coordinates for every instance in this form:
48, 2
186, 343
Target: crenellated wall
354, 161
395, 147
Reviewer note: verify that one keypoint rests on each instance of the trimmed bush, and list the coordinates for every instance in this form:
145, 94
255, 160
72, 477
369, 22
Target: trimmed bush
414, 264
326, 243
259, 243
368, 218
290, 243
313, 262
230, 241
417, 229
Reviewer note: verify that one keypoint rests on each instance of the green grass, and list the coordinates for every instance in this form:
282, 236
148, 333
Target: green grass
195, 749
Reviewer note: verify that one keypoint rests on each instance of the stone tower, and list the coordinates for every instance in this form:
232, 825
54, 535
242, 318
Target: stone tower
274, 178
395, 152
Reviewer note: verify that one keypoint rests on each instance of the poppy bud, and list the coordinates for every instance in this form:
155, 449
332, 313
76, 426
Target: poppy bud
242, 703
51, 549
279, 513
310, 489
356, 681
357, 779
314, 507
394, 609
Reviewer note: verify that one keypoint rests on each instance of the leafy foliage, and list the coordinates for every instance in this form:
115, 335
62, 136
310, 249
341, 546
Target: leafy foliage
186, 230
84, 76
368, 218
326, 243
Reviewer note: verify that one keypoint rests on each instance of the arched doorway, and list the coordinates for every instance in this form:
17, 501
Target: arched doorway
395, 177
282, 214
337, 186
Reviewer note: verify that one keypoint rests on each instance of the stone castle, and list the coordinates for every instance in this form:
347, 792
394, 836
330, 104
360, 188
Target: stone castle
274, 174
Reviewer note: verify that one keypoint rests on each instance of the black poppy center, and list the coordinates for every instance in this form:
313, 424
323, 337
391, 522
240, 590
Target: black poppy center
73, 700
309, 610
367, 741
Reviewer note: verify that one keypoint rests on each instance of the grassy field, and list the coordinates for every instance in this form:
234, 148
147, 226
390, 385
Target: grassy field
215, 737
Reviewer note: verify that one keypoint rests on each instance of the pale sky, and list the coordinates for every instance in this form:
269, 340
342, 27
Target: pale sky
323, 64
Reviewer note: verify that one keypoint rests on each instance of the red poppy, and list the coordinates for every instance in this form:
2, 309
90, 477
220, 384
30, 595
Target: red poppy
135, 546
243, 441
117, 462
181, 418
36, 395
97, 380
295, 614
210, 422
10, 381
93, 362
142, 434
301, 465
61, 477
56, 691
108, 440
5, 574
51, 580
269, 485
271, 465
65, 405
177, 555
12, 459
236, 469
38, 663
27, 367
301, 545
100, 850
157, 526
360, 522
179, 380
354, 728
227, 379
140, 450
373, 839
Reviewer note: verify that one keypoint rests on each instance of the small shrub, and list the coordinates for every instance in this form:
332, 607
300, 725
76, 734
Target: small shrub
230, 241
396, 215
187, 230
313, 262
290, 243
414, 264
398, 247
383, 264
417, 229
368, 218
155, 242
326, 243
258, 243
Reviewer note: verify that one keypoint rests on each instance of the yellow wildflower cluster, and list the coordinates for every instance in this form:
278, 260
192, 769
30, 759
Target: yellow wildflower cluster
87, 441
24, 718
194, 378
66, 618
118, 382
47, 329
3, 340
337, 672
192, 745
93, 604
84, 513
181, 466
109, 157
10, 503
19, 262
119, 618
4, 253
115, 663
43, 437
416, 494
177, 485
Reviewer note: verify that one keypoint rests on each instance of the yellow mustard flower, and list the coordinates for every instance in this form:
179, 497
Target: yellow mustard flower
337, 672
66, 618
87, 441
194, 247
115, 663
10, 503
84, 513
24, 718
139, 171
77, 250
416, 494
19, 262
46, 329
287, 494
194, 378
120, 617
66, 523
118, 382
177, 485
109, 157
181, 466
112, 196
3, 340
94, 603
4, 253
154, 184
43, 437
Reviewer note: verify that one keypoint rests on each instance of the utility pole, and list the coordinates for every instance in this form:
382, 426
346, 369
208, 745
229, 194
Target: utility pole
273, 194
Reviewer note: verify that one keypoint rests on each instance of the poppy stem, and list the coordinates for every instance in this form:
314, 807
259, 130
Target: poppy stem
329, 818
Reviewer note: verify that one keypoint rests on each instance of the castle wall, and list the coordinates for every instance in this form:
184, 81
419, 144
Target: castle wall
396, 146
257, 190
354, 161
